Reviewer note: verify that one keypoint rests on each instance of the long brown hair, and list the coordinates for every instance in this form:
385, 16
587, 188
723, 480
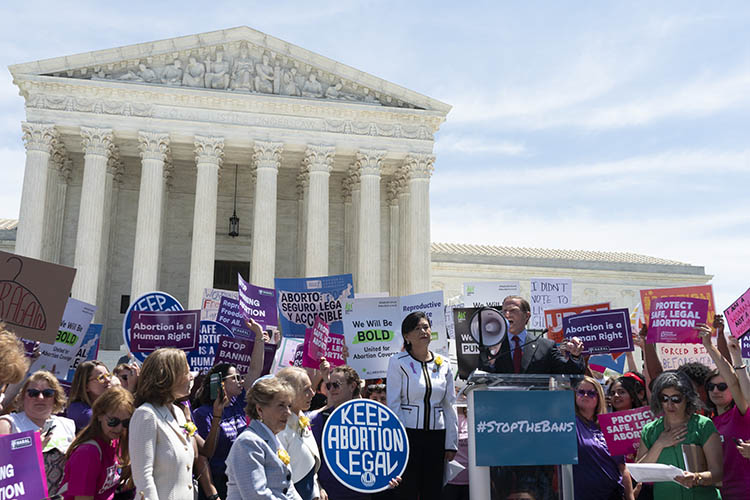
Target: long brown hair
13, 361
159, 374
78, 388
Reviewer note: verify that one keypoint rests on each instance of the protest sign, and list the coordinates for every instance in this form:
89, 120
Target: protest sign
212, 300
300, 300
608, 364
33, 296
238, 352
506, 433
601, 332
432, 304
88, 349
202, 358
316, 344
258, 303
230, 315
22, 475
622, 429
467, 347
554, 318
150, 330
285, 353
548, 293
152, 301
673, 356
489, 293
365, 445
745, 346
673, 320
335, 350
738, 315
372, 329
58, 356
696, 292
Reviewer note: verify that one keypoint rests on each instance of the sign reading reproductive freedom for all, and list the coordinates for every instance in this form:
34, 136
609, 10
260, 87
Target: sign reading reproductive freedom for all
152, 301
22, 474
601, 332
673, 320
622, 429
506, 432
365, 445
301, 300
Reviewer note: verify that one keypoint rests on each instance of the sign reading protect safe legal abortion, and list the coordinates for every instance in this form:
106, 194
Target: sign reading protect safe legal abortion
673, 320
602, 331
622, 429
506, 432
150, 330
365, 445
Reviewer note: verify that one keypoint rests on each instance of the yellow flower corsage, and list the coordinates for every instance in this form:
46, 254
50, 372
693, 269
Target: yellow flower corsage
189, 429
438, 360
283, 456
304, 424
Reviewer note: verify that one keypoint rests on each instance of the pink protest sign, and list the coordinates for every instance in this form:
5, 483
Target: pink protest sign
22, 474
622, 429
673, 319
738, 315
321, 343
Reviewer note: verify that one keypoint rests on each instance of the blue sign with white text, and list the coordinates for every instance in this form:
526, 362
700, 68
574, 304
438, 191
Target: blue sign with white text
365, 445
525, 428
202, 358
152, 301
301, 300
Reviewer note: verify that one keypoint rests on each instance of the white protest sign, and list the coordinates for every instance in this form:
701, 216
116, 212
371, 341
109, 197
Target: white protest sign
548, 293
489, 293
212, 300
372, 329
433, 305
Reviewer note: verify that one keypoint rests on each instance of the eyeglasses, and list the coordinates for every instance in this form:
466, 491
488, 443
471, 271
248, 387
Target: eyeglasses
586, 393
46, 393
333, 385
722, 386
237, 378
676, 398
102, 378
114, 422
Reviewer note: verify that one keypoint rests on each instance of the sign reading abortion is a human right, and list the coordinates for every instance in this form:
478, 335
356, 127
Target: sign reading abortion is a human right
365, 445
507, 433
151, 301
602, 331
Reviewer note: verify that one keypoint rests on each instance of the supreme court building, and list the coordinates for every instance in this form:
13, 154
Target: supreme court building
138, 157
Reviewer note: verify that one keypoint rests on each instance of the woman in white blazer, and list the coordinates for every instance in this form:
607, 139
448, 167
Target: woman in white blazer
160, 438
297, 436
257, 464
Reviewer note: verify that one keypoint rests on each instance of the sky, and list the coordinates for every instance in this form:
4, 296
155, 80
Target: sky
614, 126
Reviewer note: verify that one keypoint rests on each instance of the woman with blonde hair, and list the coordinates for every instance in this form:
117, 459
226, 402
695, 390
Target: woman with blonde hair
13, 361
90, 380
95, 458
161, 444
41, 396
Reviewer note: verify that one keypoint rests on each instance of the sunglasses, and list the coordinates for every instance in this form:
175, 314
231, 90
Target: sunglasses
333, 385
676, 399
376, 387
235, 377
586, 393
114, 422
722, 386
46, 393
102, 378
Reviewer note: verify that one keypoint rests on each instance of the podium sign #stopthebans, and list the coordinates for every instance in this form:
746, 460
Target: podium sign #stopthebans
365, 445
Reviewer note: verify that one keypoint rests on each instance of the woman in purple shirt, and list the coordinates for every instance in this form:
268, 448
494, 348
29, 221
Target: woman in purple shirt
90, 381
598, 475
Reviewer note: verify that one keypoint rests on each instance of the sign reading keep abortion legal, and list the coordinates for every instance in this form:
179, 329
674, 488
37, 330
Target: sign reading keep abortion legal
365, 445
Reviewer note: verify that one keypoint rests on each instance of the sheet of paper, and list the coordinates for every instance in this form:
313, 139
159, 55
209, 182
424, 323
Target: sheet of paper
654, 473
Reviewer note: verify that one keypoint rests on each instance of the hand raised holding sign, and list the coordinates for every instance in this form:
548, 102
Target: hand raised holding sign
573, 346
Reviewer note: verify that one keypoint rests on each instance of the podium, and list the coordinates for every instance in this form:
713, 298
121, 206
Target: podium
520, 420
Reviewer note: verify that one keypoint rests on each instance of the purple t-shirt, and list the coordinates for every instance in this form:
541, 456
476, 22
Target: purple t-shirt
733, 425
80, 413
233, 422
597, 474
92, 472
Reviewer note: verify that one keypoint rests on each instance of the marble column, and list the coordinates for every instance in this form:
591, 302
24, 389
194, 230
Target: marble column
404, 234
40, 139
356, 201
97, 148
54, 208
346, 194
154, 148
419, 167
303, 181
369, 163
111, 187
393, 274
319, 161
267, 159
209, 154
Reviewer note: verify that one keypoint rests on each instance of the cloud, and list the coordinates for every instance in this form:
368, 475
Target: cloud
12, 161
471, 145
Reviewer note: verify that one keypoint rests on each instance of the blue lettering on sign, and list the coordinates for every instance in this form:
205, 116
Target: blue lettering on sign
152, 301
365, 445
202, 358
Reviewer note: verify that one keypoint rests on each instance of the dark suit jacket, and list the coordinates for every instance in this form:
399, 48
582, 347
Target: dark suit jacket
540, 356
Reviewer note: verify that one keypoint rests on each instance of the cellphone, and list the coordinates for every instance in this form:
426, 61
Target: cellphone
47, 429
737, 441
215, 386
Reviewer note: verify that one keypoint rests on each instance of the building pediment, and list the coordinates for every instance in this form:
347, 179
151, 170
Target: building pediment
237, 60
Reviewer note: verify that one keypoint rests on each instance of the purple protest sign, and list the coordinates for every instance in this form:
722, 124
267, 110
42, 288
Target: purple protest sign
22, 474
150, 330
231, 316
239, 351
299, 355
745, 345
622, 429
258, 303
601, 331
738, 315
316, 344
673, 319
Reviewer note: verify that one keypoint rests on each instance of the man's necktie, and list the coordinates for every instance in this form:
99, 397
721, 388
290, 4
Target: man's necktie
517, 354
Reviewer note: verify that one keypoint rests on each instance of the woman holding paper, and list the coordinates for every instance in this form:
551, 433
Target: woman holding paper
598, 475
727, 392
675, 401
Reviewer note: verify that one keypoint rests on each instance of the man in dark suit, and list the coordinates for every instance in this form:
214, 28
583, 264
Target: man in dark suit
522, 352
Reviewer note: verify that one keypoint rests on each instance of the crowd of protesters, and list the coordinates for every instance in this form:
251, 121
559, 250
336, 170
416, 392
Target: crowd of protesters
153, 432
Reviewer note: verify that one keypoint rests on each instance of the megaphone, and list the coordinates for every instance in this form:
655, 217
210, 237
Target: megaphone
488, 327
